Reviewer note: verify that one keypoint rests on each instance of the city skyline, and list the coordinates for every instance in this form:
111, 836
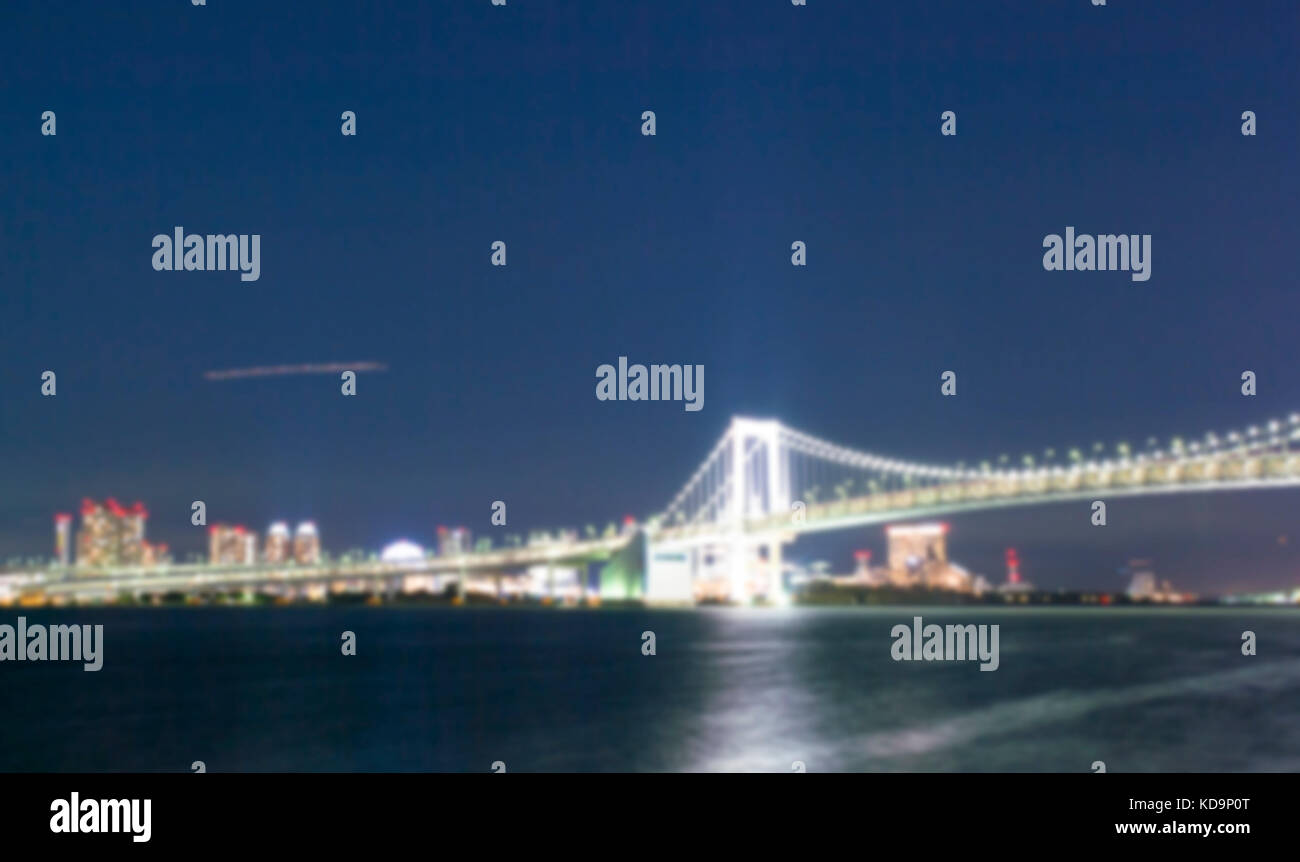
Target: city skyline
353, 409
1257, 458
924, 254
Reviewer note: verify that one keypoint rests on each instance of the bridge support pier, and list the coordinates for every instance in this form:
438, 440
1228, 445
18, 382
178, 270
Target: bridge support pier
670, 574
775, 562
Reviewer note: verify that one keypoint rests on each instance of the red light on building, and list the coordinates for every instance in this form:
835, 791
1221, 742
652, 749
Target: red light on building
1013, 566
628, 520
864, 562
62, 518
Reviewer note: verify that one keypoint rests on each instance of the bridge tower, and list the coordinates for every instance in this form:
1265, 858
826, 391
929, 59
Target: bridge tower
746, 478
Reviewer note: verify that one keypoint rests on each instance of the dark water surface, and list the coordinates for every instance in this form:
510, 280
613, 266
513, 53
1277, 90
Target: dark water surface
267, 689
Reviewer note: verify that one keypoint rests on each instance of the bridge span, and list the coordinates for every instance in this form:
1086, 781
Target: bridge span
760, 487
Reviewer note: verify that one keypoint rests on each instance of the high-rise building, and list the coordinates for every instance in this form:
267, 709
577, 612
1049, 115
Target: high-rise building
216, 538
96, 539
110, 535
912, 546
918, 557
279, 548
231, 545
306, 544
914, 550
130, 525
453, 542
63, 538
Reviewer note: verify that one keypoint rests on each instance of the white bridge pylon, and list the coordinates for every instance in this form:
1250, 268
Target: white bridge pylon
764, 483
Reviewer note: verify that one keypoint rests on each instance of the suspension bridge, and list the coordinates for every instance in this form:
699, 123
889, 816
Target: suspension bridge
758, 489
764, 484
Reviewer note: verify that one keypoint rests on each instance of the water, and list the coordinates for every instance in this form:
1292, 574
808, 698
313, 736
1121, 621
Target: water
267, 689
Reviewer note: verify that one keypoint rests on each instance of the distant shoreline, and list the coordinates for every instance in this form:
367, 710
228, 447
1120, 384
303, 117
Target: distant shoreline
837, 597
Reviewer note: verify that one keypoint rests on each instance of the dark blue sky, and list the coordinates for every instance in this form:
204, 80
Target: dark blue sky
522, 123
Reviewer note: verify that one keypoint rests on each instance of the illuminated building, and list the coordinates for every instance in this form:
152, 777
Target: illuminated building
111, 535
453, 542
279, 548
402, 551
419, 583
231, 545
918, 557
912, 546
130, 532
97, 537
863, 575
216, 535
950, 577
154, 555
1143, 585
63, 538
306, 544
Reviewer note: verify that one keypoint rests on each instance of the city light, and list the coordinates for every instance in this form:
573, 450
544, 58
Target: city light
402, 551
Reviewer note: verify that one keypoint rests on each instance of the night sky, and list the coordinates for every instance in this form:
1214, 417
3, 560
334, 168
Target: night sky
774, 124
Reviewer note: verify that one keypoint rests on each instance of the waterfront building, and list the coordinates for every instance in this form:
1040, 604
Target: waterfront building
453, 542
1142, 587
154, 555
63, 539
231, 545
110, 535
96, 540
279, 547
402, 551
130, 524
306, 544
918, 557
912, 547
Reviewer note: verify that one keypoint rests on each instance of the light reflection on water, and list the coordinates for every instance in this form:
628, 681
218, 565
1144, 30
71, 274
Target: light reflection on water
729, 690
